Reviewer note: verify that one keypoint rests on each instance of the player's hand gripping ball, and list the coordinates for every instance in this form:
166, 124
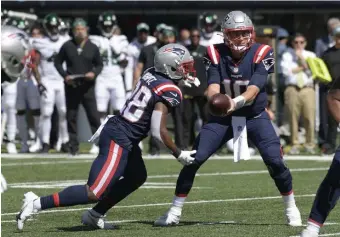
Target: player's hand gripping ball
219, 104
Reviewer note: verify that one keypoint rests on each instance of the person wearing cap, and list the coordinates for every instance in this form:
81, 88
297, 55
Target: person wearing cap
145, 61
83, 62
332, 60
142, 39
321, 45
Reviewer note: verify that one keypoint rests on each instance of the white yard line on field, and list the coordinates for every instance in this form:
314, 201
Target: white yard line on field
69, 182
147, 157
167, 204
330, 234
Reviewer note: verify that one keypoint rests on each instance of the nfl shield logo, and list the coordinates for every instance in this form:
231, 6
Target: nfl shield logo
235, 69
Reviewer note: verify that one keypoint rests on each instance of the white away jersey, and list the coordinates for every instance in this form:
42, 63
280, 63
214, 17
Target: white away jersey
48, 49
216, 38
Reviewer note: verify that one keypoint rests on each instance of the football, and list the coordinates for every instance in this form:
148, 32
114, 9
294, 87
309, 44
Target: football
219, 104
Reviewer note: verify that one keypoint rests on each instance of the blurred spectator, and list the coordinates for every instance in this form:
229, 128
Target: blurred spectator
282, 47
145, 61
194, 96
158, 29
332, 59
323, 43
321, 46
36, 31
142, 39
299, 93
82, 60
210, 34
184, 37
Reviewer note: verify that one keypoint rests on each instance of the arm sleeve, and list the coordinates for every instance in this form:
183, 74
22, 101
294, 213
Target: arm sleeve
59, 59
212, 61
263, 69
170, 94
97, 61
128, 74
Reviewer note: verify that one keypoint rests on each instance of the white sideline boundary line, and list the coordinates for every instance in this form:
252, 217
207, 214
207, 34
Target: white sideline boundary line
167, 204
148, 157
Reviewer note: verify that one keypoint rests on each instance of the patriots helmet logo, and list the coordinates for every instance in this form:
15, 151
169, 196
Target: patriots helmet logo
268, 63
178, 51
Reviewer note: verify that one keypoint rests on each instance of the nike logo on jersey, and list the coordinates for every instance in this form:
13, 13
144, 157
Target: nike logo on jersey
174, 94
271, 53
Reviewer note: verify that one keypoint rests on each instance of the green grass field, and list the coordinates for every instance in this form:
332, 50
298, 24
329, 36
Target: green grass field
229, 199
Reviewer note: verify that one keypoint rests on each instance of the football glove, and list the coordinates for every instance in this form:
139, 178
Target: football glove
185, 157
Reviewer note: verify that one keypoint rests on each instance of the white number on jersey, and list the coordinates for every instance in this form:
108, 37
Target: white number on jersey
136, 104
235, 88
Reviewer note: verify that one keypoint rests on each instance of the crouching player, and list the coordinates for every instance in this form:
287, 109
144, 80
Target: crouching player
239, 68
329, 190
120, 155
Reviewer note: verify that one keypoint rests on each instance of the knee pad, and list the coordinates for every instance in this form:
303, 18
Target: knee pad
21, 112
36, 112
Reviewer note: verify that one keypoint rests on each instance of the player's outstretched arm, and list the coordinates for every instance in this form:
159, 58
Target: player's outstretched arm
212, 90
159, 131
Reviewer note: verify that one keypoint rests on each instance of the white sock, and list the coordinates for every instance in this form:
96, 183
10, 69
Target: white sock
177, 204
289, 200
313, 227
37, 204
11, 124
63, 132
22, 126
45, 129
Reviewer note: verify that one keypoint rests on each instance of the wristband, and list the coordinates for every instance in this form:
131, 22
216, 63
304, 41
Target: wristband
239, 102
176, 153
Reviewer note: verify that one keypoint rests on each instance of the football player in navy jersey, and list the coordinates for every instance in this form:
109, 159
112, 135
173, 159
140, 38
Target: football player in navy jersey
119, 169
329, 191
239, 67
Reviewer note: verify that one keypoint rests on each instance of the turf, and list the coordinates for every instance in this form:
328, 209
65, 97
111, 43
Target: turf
234, 203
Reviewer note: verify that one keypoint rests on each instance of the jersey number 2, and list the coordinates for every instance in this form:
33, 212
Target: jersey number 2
137, 103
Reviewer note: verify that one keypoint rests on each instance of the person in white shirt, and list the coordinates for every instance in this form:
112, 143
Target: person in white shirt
299, 93
143, 39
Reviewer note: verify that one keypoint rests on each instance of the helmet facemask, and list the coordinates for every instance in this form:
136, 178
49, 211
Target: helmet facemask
184, 70
239, 40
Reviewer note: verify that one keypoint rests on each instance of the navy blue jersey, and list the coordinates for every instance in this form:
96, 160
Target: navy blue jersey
234, 77
133, 123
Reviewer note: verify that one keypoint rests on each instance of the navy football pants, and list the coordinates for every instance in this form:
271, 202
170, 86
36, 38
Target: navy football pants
328, 193
215, 134
115, 165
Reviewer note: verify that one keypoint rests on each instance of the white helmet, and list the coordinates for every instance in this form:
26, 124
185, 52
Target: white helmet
238, 31
15, 47
175, 61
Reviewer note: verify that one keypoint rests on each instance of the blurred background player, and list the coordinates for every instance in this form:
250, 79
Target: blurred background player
109, 86
47, 48
141, 40
210, 34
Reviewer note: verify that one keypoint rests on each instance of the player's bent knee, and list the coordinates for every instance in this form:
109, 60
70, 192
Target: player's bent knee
36, 112
92, 197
